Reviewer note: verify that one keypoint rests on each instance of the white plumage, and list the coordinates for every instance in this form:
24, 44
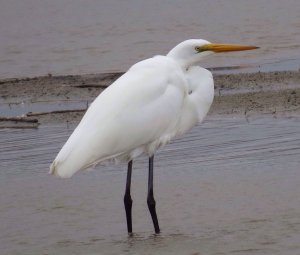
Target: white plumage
154, 101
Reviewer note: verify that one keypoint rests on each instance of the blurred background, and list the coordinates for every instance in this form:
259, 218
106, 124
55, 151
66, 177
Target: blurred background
38, 37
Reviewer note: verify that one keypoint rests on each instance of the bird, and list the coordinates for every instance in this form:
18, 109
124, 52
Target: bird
155, 101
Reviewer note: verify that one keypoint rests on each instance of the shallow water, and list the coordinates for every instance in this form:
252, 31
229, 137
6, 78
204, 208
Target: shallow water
26, 106
75, 37
227, 187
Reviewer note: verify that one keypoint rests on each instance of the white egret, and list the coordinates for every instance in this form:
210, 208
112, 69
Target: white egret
156, 100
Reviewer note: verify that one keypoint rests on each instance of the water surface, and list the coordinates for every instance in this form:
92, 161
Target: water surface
76, 37
227, 187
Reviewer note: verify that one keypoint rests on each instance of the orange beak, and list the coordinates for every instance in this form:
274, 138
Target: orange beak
219, 47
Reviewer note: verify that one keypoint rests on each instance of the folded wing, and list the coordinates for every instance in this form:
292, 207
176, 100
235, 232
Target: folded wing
135, 115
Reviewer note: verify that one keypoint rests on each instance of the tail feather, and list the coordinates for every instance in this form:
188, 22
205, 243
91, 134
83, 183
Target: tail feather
54, 170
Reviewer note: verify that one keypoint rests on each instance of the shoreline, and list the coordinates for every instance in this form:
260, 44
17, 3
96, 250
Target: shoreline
55, 99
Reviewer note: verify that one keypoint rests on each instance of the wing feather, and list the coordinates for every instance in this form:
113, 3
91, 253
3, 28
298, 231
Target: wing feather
141, 107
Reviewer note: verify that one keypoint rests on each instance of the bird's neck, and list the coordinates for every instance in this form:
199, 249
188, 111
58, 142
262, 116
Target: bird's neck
186, 61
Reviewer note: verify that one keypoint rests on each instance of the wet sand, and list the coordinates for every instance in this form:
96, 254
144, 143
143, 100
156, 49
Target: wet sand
230, 186
65, 98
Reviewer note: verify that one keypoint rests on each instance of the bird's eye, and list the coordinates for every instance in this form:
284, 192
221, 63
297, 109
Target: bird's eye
198, 49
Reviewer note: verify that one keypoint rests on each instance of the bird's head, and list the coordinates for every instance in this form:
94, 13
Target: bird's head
192, 51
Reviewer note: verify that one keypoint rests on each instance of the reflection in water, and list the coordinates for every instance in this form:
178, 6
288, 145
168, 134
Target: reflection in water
227, 187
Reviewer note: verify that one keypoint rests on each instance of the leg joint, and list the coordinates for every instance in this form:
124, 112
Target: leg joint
151, 201
127, 197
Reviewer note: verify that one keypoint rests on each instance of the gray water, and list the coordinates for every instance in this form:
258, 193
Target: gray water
227, 187
91, 36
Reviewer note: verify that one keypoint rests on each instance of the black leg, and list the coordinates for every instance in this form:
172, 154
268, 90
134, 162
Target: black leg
150, 198
127, 198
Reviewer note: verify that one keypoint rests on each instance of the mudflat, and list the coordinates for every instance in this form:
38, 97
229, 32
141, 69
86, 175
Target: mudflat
66, 98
